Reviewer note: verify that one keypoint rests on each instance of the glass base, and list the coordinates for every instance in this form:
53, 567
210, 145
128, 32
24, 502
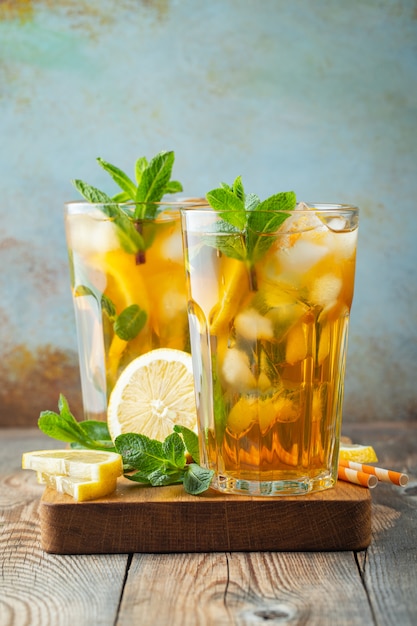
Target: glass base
288, 487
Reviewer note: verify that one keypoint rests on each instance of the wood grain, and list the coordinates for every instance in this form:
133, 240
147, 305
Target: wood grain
143, 519
36, 588
245, 588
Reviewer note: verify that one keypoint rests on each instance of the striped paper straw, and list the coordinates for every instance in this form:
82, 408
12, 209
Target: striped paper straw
358, 478
384, 475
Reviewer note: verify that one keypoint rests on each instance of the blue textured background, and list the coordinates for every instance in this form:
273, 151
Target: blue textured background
319, 96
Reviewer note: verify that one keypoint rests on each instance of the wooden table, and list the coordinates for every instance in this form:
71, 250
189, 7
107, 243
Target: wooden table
377, 586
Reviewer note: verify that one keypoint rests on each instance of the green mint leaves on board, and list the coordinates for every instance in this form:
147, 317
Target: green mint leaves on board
145, 460
164, 463
89, 434
248, 219
152, 182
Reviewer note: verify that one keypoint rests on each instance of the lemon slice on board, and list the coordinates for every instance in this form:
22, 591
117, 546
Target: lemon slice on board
84, 465
153, 393
80, 489
357, 453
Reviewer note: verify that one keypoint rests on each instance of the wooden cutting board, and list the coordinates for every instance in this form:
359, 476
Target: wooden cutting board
167, 519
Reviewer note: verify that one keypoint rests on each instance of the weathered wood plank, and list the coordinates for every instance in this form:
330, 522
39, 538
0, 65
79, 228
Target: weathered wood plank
244, 589
389, 567
37, 588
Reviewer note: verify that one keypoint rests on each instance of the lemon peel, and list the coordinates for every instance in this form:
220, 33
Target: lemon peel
357, 453
92, 465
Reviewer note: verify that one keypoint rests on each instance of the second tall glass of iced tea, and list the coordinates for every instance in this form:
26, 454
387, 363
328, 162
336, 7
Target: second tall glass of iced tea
128, 298
268, 340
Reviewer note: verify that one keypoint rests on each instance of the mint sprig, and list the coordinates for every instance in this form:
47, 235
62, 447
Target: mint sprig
152, 183
89, 434
164, 463
248, 220
145, 460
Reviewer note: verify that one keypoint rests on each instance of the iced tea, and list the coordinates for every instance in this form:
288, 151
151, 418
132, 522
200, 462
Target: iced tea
125, 303
268, 341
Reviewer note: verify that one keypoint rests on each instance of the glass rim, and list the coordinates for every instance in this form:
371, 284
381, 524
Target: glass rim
311, 207
176, 203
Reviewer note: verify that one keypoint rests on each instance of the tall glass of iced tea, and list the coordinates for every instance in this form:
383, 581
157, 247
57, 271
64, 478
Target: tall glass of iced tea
128, 299
268, 340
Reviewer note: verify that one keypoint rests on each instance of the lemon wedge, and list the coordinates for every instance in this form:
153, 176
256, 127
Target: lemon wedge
153, 393
80, 489
124, 279
357, 453
83, 465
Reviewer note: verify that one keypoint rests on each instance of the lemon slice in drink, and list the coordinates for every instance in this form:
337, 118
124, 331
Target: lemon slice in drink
125, 284
357, 453
153, 393
84, 465
78, 488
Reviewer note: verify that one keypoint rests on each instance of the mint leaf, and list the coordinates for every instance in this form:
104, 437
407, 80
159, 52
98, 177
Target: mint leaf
64, 427
119, 177
229, 206
251, 201
55, 426
139, 477
140, 452
173, 186
64, 409
91, 194
83, 290
232, 245
174, 450
130, 322
266, 220
238, 189
284, 201
254, 219
155, 177
108, 306
197, 479
190, 440
97, 431
130, 240
140, 166
161, 477
121, 197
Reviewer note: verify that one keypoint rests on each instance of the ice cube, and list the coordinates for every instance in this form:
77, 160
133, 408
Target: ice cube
337, 223
92, 233
171, 248
303, 219
303, 240
173, 303
236, 370
343, 244
252, 325
325, 291
300, 257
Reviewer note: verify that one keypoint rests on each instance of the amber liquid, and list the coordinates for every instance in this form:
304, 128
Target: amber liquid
271, 344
